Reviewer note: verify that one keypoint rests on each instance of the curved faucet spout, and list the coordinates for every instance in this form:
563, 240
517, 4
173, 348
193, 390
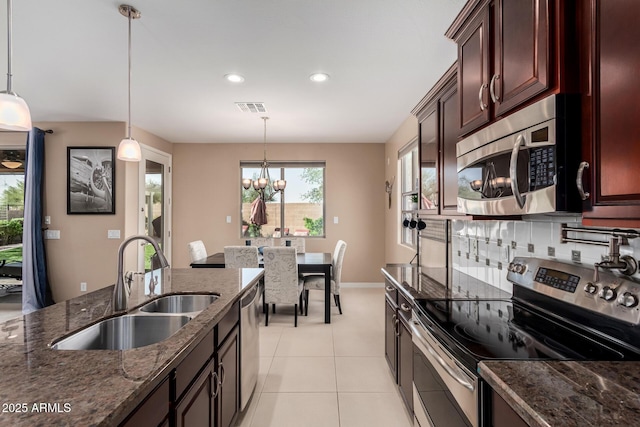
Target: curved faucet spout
120, 292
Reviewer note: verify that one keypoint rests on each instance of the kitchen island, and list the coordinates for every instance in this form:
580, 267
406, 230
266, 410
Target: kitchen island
40, 386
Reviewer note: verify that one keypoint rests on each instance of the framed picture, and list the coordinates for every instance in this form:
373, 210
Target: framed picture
91, 173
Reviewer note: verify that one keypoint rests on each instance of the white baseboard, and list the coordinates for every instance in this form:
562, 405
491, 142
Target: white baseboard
362, 285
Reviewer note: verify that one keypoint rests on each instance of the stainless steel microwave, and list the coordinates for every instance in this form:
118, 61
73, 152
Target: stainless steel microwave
526, 163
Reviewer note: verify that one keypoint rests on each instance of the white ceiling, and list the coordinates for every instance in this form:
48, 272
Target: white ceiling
70, 64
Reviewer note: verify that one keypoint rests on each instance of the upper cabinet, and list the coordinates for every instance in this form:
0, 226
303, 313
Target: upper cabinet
509, 53
437, 115
611, 125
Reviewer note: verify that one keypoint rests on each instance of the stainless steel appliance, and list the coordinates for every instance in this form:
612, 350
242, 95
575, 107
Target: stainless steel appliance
557, 312
249, 344
526, 163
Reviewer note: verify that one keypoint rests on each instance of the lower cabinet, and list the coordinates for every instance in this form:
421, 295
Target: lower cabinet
154, 411
228, 403
398, 342
197, 407
503, 415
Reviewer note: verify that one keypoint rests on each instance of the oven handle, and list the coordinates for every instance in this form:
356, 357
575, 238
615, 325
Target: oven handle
513, 171
453, 373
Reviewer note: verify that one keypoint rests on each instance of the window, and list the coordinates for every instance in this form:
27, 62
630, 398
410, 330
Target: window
298, 211
408, 163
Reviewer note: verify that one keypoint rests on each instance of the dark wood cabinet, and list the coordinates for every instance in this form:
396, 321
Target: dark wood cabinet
398, 345
611, 60
502, 415
228, 356
197, 408
437, 115
154, 411
505, 56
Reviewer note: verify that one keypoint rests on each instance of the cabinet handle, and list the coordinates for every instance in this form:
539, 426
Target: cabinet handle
404, 307
513, 172
389, 288
222, 376
397, 327
216, 384
483, 106
492, 88
584, 195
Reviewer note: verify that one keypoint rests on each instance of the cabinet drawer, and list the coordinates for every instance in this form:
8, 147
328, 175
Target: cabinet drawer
228, 322
188, 369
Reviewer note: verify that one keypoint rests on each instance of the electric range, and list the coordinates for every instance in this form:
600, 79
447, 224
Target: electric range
557, 312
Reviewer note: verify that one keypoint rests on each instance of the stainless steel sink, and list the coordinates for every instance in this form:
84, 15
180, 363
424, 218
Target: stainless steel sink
179, 303
124, 332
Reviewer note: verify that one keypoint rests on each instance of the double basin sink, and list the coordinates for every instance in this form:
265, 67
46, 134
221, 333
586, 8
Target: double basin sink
152, 323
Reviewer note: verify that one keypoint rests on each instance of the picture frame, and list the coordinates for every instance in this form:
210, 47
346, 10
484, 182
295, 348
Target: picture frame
91, 173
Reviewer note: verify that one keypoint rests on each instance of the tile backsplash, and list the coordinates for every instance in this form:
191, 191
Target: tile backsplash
483, 249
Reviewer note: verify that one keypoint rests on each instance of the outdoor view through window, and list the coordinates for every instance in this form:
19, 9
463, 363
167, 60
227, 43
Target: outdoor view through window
11, 220
299, 211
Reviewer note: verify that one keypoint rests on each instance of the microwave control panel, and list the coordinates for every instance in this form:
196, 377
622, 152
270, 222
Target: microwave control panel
542, 168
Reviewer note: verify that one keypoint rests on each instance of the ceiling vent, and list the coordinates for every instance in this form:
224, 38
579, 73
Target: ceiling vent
251, 107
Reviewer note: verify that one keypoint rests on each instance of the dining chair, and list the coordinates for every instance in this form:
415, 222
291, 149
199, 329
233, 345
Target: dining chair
241, 257
261, 241
197, 250
316, 281
281, 282
296, 242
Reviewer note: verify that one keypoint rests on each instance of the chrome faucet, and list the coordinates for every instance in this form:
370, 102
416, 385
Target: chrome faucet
121, 291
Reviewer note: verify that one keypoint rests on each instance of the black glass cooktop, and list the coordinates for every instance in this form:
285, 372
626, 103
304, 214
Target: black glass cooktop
480, 329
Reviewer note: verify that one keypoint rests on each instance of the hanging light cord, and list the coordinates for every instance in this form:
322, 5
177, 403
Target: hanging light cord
9, 47
265, 138
129, 90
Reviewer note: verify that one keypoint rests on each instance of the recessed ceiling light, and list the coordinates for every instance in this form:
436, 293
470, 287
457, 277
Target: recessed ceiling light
319, 77
234, 78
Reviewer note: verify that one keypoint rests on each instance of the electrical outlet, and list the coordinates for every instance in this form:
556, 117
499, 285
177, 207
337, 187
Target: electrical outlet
575, 256
474, 247
83, 286
551, 251
113, 234
530, 248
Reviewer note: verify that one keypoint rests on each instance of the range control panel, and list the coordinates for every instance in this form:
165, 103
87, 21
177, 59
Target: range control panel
614, 296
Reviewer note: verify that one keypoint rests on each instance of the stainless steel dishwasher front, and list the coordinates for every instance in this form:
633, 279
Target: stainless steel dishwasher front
249, 343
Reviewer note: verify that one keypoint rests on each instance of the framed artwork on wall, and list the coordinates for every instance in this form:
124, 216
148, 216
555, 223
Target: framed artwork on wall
91, 174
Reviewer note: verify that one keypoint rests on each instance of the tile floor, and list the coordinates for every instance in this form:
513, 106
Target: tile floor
326, 375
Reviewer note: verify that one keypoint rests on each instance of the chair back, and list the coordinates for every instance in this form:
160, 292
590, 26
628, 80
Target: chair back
296, 242
281, 283
338, 257
197, 250
241, 257
262, 241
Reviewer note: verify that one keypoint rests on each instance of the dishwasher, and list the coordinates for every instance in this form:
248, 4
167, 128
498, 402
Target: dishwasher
249, 343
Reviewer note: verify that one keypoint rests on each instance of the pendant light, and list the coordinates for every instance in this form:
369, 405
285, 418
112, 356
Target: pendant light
263, 185
129, 149
14, 112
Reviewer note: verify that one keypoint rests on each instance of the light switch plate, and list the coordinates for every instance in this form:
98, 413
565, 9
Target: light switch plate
228, 219
335, 220
113, 234
47, 220
52, 234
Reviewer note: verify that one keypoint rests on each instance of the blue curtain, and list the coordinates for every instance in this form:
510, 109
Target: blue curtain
36, 292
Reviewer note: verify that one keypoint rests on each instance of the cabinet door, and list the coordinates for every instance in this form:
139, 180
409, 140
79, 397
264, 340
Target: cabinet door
154, 411
615, 152
196, 408
228, 367
405, 364
450, 129
429, 194
502, 415
521, 52
473, 73
390, 325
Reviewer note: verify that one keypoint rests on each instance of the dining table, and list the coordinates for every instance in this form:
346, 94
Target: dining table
308, 262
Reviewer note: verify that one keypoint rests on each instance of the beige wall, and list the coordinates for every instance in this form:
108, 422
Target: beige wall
206, 188
83, 253
394, 251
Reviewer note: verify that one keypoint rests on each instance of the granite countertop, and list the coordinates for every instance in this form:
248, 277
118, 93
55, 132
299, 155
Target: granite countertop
101, 387
565, 393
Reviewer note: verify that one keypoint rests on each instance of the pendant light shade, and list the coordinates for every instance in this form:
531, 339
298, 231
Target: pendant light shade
14, 112
129, 149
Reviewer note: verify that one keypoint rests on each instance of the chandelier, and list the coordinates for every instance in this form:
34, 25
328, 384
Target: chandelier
265, 187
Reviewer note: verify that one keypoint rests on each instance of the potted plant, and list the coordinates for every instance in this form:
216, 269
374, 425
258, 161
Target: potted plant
414, 202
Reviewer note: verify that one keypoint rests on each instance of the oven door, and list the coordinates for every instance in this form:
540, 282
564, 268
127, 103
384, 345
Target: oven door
512, 175
445, 393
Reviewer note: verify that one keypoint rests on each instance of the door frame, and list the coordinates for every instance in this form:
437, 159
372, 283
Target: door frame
158, 156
